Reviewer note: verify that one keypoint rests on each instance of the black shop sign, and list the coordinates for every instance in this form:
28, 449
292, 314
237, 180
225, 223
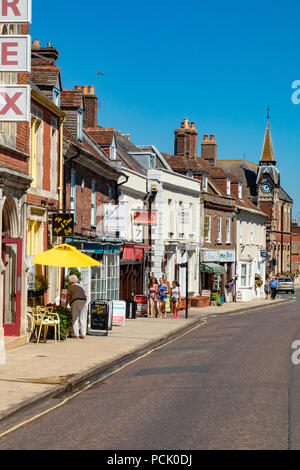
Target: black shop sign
62, 225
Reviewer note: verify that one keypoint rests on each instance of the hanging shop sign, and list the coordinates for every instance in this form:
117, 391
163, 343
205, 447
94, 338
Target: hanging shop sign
15, 53
63, 225
144, 217
15, 11
114, 218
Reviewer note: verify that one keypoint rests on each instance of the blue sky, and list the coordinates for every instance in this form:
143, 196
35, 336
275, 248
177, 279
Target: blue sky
219, 64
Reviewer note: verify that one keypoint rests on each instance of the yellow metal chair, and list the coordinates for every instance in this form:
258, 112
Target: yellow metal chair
52, 319
37, 321
43, 317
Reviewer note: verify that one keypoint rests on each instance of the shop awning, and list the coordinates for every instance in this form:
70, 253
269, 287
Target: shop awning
133, 252
212, 268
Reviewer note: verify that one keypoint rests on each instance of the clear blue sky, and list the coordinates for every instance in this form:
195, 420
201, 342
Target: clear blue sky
219, 64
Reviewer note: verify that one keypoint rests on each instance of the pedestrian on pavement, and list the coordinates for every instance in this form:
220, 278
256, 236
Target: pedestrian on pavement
77, 299
267, 289
274, 287
229, 287
175, 299
153, 293
162, 297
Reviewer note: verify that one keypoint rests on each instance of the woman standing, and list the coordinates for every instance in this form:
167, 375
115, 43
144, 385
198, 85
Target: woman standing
76, 298
175, 299
153, 292
162, 297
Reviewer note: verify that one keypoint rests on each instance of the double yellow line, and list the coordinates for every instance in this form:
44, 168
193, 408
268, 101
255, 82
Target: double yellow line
87, 387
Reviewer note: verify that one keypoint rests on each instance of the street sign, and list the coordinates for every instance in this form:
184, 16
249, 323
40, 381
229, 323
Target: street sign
62, 225
264, 254
15, 11
15, 103
145, 217
15, 55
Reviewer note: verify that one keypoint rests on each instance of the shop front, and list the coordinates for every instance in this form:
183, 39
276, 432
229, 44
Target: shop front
101, 283
133, 280
217, 267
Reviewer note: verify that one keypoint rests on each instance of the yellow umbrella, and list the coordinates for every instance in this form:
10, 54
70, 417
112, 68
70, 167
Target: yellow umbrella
65, 256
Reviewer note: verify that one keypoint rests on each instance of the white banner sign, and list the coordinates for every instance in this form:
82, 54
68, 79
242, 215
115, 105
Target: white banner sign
114, 218
15, 11
15, 53
15, 103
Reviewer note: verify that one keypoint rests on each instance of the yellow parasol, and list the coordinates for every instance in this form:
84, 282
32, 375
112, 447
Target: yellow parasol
65, 256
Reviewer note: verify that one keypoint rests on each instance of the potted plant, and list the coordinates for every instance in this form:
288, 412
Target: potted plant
41, 285
258, 281
66, 324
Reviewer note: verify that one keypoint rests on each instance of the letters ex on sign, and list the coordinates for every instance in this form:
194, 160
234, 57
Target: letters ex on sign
15, 11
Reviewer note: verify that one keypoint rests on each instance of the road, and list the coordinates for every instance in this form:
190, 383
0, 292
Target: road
230, 384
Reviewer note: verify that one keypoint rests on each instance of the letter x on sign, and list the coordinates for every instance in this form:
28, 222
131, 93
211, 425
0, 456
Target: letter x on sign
15, 103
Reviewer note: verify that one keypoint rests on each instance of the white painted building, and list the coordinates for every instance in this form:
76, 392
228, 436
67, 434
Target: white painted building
176, 238
250, 246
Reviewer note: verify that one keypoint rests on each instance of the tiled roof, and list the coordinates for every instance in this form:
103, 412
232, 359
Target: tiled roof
71, 99
46, 75
101, 136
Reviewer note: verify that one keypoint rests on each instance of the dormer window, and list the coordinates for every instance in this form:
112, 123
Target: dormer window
80, 125
56, 96
204, 183
240, 191
228, 187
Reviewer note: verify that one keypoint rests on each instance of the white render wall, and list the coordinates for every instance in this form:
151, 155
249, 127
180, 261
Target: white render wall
251, 240
174, 194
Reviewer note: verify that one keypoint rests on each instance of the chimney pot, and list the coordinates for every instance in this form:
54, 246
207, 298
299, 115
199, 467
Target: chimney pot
193, 125
77, 87
128, 136
85, 89
212, 138
205, 139
91, 90
36, 43
186, 123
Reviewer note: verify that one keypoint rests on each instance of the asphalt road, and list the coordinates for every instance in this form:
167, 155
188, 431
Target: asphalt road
230, 384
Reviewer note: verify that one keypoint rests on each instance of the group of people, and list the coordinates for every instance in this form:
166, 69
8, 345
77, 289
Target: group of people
271, 288
158, 294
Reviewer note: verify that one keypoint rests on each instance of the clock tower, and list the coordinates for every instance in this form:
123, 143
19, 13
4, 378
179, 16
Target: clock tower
275, 202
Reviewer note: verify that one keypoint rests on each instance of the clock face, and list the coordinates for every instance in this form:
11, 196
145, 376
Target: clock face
266, 187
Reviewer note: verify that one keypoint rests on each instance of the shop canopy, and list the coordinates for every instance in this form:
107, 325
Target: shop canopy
212, 268
65, 256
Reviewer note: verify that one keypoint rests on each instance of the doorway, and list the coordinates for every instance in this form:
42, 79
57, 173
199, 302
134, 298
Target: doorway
12, 285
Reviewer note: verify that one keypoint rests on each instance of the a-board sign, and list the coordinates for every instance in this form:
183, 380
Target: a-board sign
142, 305
118, 312
99, 317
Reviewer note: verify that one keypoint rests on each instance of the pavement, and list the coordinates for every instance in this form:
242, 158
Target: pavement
34, 372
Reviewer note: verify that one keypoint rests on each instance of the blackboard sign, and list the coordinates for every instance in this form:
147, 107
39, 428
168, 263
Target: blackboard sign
62, 225
99, 317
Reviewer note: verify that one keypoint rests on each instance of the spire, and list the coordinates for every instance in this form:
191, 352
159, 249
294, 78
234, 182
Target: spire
268, 156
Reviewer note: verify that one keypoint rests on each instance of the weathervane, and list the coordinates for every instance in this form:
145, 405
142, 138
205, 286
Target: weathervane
268, 112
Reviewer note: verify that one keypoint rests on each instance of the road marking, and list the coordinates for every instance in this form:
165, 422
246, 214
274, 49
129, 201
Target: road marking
91, 384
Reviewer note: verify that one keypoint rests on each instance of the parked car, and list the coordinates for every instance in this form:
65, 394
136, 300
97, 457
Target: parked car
286, 284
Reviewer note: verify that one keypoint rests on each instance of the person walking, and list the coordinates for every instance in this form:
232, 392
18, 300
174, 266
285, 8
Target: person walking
274, 287
175, 299
76, 298
153, 292
162, 297
267, 289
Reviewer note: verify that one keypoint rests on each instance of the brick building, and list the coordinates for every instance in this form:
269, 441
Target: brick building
295, 246
223, 202
262, 183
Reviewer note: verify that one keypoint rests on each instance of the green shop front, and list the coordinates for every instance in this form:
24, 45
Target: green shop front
216, 267
101, 283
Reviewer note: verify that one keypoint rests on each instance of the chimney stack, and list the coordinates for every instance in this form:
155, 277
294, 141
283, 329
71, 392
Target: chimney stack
209, 149
186, 139
90, 113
